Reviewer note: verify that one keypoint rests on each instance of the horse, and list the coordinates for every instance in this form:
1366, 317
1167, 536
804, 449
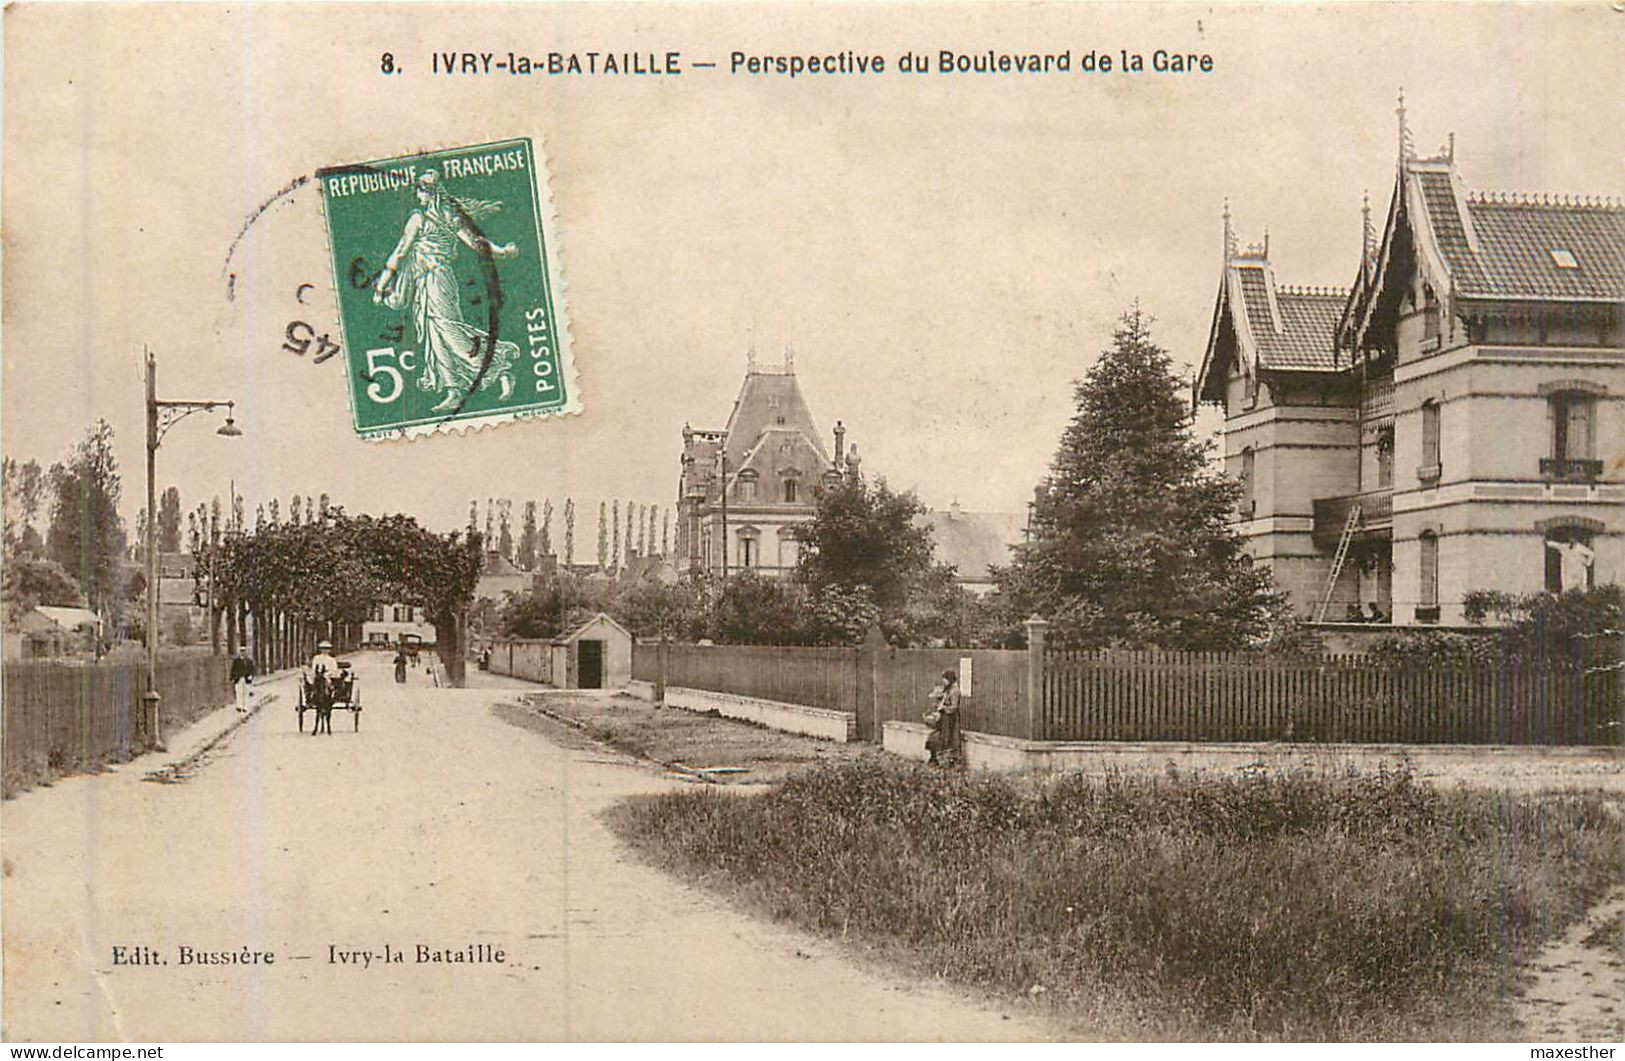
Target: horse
321, 698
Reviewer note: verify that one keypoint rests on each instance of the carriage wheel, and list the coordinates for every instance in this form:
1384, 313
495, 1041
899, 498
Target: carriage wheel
301, 711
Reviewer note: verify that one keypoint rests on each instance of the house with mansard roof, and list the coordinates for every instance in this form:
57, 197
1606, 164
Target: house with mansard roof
744, 489
1453, 421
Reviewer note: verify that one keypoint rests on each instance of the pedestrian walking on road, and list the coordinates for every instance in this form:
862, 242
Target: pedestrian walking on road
242, 678
400, 665
943, 718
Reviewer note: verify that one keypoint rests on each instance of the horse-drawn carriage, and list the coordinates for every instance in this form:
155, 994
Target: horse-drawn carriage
325, 693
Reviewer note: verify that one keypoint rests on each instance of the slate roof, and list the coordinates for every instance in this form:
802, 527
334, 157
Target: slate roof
1307, 320
768, 399
1295, 331
1515, 237
70, 618
973, 541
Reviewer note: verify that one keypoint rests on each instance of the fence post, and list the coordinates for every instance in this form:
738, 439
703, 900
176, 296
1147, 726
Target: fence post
867, 684
660, 672
1036, 628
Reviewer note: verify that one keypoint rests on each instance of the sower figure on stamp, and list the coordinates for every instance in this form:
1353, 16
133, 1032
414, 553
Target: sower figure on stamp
943, 718
242, 678
419, 277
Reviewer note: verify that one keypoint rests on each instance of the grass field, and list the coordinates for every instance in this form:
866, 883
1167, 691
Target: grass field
1295, 906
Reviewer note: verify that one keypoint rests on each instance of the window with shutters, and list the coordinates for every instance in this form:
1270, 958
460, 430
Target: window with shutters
1431, 467
1249, 502
1385, 458
749, 550
1573, 418
1427, 604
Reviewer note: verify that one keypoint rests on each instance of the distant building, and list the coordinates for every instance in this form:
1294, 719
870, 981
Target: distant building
973, 542
48, 632
390, 623
743, 491
1451, 422
500, 578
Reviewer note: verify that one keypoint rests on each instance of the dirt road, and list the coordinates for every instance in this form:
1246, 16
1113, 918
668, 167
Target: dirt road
438, 827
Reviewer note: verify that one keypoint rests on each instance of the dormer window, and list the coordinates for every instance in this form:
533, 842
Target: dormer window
746, 489
1564, 258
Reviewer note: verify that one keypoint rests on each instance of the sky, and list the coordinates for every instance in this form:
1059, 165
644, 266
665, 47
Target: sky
945, 254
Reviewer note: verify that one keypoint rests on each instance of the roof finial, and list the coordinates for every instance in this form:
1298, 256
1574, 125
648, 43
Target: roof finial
1450, 149
1367, 234
750, 348
1229, 233
789, 358
1404, 133
1266, 242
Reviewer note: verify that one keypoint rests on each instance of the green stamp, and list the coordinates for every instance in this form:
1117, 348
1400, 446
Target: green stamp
448, 290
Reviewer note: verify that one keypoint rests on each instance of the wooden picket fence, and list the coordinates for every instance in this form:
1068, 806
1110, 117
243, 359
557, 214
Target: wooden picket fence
67, 716
1213, 696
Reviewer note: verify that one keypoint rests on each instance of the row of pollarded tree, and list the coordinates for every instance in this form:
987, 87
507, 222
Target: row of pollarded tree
293, 584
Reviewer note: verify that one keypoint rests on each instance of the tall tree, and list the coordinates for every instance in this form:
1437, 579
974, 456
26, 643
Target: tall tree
643, 530
24, 486
473, 517
603, 537
527, 537
505, 528
615, 540
863, 555
545, 545
1131, 541
665, 533
169, 521
86, 535
569, 530
295, 511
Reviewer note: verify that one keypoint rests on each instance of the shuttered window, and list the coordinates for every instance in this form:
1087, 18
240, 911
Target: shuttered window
1573, 430
1428, 562
1430, 434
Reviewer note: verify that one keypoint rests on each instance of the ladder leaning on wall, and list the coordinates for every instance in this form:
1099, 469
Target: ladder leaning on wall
1338, 561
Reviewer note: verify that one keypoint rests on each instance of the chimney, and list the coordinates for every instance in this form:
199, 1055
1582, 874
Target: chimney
953, 509
840, 441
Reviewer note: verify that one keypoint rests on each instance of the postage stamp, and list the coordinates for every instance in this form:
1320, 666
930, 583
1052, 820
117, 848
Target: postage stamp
449, 292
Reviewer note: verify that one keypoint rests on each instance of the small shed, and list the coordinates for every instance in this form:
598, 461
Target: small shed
46, 632
595, 655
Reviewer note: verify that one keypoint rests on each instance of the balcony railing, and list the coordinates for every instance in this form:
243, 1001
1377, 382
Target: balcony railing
1570, 470
1376, 399
1332, 513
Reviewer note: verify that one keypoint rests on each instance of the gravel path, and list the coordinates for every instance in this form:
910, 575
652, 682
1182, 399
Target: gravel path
437, 825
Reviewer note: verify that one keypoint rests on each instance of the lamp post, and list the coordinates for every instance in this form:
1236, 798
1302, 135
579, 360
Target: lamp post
161, 416
721, 439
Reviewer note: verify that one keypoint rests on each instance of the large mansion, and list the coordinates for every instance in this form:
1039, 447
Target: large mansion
1454, 421
745, 488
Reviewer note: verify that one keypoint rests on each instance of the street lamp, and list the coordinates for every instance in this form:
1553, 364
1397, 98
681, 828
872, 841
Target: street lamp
161, 416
